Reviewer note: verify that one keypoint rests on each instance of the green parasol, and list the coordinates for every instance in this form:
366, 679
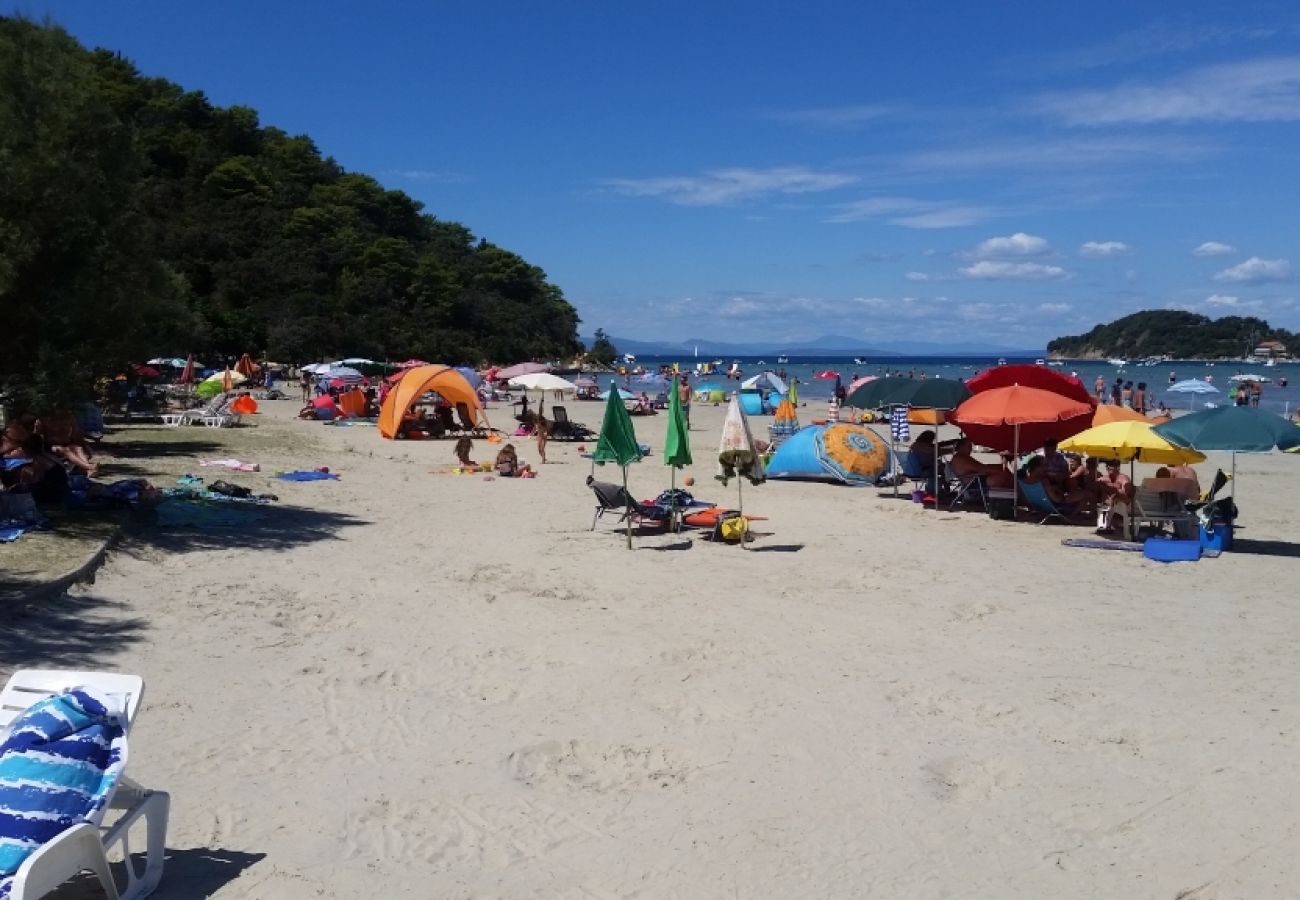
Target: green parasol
617, 441
1237, 429
677, 443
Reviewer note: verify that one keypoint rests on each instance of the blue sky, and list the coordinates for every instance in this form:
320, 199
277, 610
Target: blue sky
735, 172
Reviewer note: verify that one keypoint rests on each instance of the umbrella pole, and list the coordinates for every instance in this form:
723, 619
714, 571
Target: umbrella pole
740, 502
1015, 473
629, 517
936, 469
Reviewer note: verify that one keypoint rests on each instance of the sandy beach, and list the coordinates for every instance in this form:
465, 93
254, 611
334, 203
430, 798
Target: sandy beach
408, 683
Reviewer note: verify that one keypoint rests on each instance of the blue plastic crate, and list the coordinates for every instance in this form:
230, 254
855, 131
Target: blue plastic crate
1166, 550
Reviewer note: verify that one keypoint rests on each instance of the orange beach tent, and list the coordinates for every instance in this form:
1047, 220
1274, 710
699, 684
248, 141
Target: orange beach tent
444, 379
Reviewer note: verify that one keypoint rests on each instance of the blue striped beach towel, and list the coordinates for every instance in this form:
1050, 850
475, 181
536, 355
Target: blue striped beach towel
898, 424
59, 766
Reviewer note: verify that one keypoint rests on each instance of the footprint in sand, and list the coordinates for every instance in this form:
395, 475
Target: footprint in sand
572, 765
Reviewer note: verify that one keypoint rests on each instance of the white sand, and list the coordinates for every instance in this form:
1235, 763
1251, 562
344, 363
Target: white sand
464, 692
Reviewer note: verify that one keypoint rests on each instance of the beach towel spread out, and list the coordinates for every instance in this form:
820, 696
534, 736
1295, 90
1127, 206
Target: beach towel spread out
180, 513
58, 767
233, 464
306, 476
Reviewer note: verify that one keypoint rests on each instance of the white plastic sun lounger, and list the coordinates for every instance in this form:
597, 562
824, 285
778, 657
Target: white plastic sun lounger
85, 846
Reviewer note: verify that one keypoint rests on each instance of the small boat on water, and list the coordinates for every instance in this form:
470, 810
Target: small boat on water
1002, 360
1040, 362
858, 360
782, 360
1117, 362
629, 359
1059, 363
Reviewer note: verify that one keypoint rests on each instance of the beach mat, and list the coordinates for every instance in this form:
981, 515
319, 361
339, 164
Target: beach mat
1100, 544
307, 476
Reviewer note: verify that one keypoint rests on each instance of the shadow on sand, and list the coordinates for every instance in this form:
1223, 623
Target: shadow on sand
201, 872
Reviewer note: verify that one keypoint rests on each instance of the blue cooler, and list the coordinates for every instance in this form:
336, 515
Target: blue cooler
1169, 550
1217, 537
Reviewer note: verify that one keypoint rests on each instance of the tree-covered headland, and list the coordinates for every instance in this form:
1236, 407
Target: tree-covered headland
1173, 333
137, 218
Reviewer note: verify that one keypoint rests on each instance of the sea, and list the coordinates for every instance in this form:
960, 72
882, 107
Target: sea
1275, 397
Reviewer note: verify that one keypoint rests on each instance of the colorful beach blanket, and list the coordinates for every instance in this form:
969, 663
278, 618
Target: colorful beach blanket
232, 464
59, 767
307, 476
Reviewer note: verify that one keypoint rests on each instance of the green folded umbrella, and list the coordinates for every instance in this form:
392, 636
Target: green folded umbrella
677, 443
617, 442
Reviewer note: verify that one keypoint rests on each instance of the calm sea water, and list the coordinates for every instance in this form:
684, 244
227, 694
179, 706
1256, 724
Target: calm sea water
1279, 399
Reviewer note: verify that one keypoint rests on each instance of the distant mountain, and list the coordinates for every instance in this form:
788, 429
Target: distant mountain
826, 345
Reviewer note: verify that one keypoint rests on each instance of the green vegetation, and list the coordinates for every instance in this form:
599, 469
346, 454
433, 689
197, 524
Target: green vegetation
136, 218
1180, 335
602, 352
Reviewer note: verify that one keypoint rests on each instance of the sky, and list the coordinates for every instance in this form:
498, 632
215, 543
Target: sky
941, 171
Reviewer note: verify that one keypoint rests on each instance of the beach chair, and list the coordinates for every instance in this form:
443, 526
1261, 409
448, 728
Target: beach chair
85, 847
1160, 509
565, 429
920, 478
1035, 497
615, 498
661, 401
966, 490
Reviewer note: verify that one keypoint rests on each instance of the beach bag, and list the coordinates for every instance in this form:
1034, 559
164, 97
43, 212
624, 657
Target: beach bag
731, 527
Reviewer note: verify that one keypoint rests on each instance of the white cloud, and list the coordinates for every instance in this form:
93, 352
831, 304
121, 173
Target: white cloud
1054, 308
1103, 248
428, 175
1012, 271
1214, 248
831, 116
1099, 153
1222, 300
1018, 244
917, 276
911, 213
722, 187
1260, 90
951, 217
1256, 271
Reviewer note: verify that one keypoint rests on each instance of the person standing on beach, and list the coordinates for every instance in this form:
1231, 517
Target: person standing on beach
542, 430
684, 395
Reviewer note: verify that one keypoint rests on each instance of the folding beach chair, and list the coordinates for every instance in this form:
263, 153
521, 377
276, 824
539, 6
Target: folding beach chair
615, 498
1160, 509
467, 423
1035, 497
966, 490
85, 846
565, 429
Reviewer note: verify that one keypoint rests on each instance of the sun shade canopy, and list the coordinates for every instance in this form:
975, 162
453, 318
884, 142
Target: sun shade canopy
450, 385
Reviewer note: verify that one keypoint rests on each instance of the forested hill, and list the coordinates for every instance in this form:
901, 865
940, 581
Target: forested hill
1181, 335
137, 218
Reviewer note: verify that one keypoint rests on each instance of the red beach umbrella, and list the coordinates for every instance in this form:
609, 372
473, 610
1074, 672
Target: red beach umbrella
145, 371
1019, 418
1032, 376
187, 373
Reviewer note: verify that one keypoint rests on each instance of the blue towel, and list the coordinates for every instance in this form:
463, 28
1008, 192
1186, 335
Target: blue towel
58, 767
9, 534
306, 476
15, 463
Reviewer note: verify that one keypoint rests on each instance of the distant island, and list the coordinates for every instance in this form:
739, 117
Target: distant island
1172, 334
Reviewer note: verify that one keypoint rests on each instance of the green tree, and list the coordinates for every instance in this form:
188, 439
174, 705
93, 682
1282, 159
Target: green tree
602, 352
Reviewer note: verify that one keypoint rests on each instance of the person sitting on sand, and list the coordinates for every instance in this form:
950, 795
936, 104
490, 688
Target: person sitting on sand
64, 439
507, 464
43, 476
464, 446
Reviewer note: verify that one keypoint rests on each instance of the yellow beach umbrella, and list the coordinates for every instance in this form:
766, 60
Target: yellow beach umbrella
1130, 441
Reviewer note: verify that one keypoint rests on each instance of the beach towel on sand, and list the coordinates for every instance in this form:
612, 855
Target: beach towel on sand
232, 464
58, 767
306, 476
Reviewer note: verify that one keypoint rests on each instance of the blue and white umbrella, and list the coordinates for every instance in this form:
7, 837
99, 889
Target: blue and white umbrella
1192, 386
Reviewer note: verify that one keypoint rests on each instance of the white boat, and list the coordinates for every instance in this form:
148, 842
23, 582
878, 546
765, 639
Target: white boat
858, 360
782, 360
1040, 362
1270, 364
1002, 360
1059, 363
629, 358
1117, 362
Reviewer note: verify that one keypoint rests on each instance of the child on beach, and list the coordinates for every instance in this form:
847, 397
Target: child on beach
542, 431
464, 446
507, 464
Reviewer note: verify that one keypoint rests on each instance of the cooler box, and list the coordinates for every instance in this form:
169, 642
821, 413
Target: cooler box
1217, 537
1166, 550
751, 402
